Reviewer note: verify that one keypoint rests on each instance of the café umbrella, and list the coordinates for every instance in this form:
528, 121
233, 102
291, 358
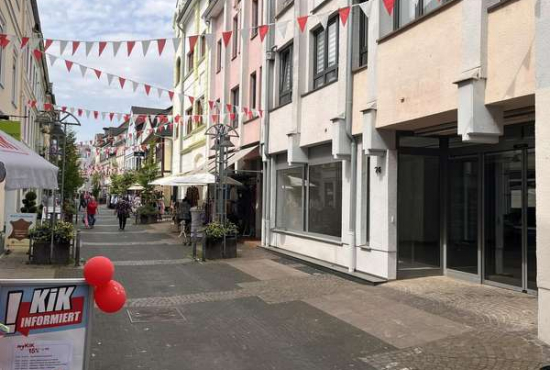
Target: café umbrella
24, 168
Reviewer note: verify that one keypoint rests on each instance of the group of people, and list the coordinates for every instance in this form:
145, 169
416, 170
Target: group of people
88, 203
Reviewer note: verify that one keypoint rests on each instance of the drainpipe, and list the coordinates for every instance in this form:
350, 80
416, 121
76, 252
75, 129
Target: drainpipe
353, 162
268, 88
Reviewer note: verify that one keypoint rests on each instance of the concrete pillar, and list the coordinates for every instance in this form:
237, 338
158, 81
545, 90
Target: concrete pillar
542, 137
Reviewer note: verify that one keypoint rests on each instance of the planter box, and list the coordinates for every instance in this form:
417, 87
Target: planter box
41, 253
147, 219
214, 248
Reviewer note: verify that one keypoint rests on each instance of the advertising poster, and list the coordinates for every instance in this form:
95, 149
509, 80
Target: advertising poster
47, 324
17, 229
12, 128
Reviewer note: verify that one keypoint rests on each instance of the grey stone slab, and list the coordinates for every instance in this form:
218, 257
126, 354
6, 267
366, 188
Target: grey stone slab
396, 323
265, 269
135, 252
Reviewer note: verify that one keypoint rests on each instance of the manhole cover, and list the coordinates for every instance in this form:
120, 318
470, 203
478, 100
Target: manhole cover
155, 314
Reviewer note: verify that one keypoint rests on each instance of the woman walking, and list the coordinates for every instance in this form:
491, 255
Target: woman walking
123, 210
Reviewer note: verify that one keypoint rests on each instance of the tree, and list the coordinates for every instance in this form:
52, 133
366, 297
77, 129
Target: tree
73, 178
147, 173
96, 185
121, 183
29, 203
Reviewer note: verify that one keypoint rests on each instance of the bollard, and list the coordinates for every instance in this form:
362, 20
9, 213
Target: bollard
77, 250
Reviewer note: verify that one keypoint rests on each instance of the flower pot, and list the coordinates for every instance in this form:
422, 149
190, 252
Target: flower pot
214, 248
61, 253
41, 253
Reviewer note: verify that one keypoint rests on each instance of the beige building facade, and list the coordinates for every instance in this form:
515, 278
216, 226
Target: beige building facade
430, 158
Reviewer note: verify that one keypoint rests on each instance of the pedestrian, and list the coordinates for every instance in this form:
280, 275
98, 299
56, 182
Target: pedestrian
123, 210
185, 214
92, 210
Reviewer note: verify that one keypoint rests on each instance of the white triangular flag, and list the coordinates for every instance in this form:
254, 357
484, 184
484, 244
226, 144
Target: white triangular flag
89, 46
103, 114
83, 70
159, 91
245, 32
176, 42
87, 113
52, 58
71, 109
62, 46
209, 40
145, 46
323, 18
110, 78
366, 6
116, 46
282, 27
135, 85
118, 116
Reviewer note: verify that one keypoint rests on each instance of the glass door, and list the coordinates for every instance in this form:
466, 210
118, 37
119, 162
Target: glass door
504, 217
531, 237
418, 212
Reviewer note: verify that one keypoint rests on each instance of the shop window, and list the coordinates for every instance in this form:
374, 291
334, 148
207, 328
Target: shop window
290, 199
325, 199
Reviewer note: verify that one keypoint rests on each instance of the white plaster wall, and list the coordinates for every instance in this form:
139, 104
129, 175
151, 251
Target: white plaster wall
280, 125
317, 112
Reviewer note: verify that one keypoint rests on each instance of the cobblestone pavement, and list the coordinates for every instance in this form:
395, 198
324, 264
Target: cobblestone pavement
261, 311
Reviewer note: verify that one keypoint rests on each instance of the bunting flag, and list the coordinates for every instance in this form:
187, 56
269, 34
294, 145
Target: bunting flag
226, 37
83, 70
47, 44
116, 46
344, 14
389, 5
365, 7
76, 44
69, 65
62, 46
89, 45
147, 89
192, 42
102, 45
122, 82
37, 54
130, 46
24, 42
191, 99
145, 46
282, 27
302, 21
161, 43
97, 73
264, 29
323, 18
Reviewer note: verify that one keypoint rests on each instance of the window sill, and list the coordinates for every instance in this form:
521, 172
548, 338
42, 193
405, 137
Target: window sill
359, 69
499, 5
311, 236
280, 106
416, 21
318, 88
319, 6
233, 57
283, 10
253, 35
192, 133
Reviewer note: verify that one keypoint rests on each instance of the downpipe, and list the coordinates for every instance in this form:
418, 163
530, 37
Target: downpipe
352, 263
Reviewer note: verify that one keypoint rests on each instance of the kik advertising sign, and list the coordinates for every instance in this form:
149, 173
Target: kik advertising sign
46, 323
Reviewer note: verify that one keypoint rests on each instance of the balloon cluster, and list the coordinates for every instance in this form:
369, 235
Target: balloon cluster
110, 295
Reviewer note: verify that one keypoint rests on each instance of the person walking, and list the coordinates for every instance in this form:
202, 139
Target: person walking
123, 210
91, 210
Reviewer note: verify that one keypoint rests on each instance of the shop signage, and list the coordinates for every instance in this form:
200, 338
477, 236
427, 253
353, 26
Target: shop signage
12, 128
17, 227
45, 324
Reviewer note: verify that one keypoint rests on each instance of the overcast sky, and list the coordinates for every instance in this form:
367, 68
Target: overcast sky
92, 20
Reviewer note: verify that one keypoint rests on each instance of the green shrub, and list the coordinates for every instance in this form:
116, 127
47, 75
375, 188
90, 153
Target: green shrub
216, 230
63, 232
29, 203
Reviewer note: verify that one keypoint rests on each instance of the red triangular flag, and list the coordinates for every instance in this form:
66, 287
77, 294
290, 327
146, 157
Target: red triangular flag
76, 44
47, 44
171, 94
97, 73
122, 82
211, 104
111, 115
261, 112
63, 109
197, 118
192, 42
79, 112
69, 65
102, 45
33, 104
96, 114
24, 42
226, 37
302, 22
47, 106
177, 118
344, 14
191, 100
130, 46
161, 43
37, 54
263, 31
389, 4
215, 117
127, 118
229, 107
4, 41
232, 116
147, 89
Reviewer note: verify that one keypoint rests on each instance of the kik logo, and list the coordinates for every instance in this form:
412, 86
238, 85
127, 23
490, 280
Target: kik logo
48, 308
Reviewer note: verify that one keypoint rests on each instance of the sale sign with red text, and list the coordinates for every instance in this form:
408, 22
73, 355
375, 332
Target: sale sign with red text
47, 324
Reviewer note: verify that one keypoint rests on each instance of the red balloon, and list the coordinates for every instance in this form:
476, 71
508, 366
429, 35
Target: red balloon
110, 297
99, 271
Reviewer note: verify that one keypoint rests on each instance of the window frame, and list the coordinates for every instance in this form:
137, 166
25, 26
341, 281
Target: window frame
219, 56
363, 47
285, 95
235, 95
189, 121
253, 91
323, 75
419, 12
190, 61
15, 71
254, 18
235, 46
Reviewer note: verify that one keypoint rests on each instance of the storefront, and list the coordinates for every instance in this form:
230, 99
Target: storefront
468, 210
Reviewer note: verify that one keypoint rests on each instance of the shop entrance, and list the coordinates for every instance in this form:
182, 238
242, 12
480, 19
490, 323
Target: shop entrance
479, 201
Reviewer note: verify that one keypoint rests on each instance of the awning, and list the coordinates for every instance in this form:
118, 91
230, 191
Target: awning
240, 155
136, 187
24, 168
193, 180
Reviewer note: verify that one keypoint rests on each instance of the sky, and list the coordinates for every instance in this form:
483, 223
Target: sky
108, 20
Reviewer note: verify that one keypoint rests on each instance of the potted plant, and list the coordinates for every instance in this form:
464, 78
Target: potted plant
41, 235
147, 214
215, 232
69, 210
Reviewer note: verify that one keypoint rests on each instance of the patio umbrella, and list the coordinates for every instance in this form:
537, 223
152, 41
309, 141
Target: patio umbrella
136, 187
196, 179
24, 168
